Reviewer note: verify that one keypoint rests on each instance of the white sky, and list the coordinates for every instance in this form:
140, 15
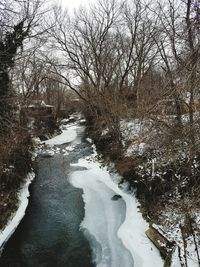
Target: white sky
72, 4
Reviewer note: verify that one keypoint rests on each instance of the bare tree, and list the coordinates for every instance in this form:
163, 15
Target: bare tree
107, 48
91, 48
142, 49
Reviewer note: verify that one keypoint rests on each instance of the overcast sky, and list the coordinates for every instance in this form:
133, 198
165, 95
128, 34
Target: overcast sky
71, 4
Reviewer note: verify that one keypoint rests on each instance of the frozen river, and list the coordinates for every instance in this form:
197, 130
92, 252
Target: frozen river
77, 215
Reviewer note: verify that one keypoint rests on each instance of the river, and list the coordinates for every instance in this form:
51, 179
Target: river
77, 216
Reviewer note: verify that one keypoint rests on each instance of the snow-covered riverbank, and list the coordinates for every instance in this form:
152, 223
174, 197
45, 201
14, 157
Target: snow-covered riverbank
14, 221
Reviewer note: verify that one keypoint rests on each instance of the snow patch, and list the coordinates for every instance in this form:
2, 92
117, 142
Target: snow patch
136, 149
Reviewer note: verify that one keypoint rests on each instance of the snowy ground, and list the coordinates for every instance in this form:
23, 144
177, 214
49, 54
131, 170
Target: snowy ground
136, 134
12, 224
172, 231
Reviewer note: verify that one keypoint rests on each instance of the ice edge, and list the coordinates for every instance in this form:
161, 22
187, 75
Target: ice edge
14, 221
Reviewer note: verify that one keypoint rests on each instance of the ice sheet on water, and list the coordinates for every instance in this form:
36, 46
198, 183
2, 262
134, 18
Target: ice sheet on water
17, 217
122, 242
101, 220
66, 136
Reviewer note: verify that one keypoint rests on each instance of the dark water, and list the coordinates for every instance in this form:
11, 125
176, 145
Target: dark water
49, 234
